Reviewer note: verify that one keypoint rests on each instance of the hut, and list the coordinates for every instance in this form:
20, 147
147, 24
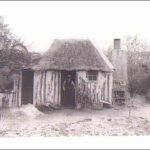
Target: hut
88, 69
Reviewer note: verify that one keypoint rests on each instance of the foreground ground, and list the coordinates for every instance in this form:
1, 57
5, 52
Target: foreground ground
28, 121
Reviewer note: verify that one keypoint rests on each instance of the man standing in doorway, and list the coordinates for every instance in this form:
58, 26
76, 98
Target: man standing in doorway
69, 90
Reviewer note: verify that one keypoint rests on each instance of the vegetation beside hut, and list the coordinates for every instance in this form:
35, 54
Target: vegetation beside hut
13, 56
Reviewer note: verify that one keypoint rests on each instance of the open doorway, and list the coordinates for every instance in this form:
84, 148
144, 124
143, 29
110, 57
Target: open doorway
27, 87
68, 88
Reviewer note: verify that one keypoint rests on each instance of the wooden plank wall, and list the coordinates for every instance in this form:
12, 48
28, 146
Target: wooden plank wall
90, 93
6, 100
15, 95
13, 98
46, 89
110, 88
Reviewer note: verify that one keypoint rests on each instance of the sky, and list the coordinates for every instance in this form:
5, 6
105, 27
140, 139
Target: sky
38, 23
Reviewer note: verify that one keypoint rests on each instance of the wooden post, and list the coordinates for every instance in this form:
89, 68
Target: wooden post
20, 88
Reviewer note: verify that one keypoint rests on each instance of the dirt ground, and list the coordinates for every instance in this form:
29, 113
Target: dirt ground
28, 121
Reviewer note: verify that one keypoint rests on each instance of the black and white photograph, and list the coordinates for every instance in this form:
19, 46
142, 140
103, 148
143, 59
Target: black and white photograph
74, 69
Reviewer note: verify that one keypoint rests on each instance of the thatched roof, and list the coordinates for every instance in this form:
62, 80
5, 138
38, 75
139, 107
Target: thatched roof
73, 55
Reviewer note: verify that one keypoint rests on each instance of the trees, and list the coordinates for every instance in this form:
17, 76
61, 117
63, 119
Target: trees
13, 56
138, 65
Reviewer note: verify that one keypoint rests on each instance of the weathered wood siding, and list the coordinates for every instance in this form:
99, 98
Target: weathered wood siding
46, 89
93, 92
6, 100
12, 98
15, 99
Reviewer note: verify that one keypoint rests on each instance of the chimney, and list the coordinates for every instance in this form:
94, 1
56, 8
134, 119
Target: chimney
117, 44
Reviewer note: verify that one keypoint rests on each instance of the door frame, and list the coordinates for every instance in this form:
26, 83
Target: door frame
75, 81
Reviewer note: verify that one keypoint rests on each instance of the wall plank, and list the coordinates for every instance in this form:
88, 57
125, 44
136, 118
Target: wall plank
49, 89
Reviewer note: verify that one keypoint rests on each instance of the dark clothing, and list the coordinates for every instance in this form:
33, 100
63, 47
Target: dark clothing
68, 87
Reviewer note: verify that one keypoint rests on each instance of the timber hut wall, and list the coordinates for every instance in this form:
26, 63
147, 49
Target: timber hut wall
93, 93
47, 88
14, 97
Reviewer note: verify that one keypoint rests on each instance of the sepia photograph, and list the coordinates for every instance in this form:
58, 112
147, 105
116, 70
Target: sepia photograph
74, 69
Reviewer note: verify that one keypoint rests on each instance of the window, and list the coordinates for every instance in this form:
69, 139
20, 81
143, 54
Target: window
118, 83
92, 75
120, 93
122, 83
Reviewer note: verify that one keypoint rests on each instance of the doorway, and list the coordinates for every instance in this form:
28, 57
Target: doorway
27, 87
68, 79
